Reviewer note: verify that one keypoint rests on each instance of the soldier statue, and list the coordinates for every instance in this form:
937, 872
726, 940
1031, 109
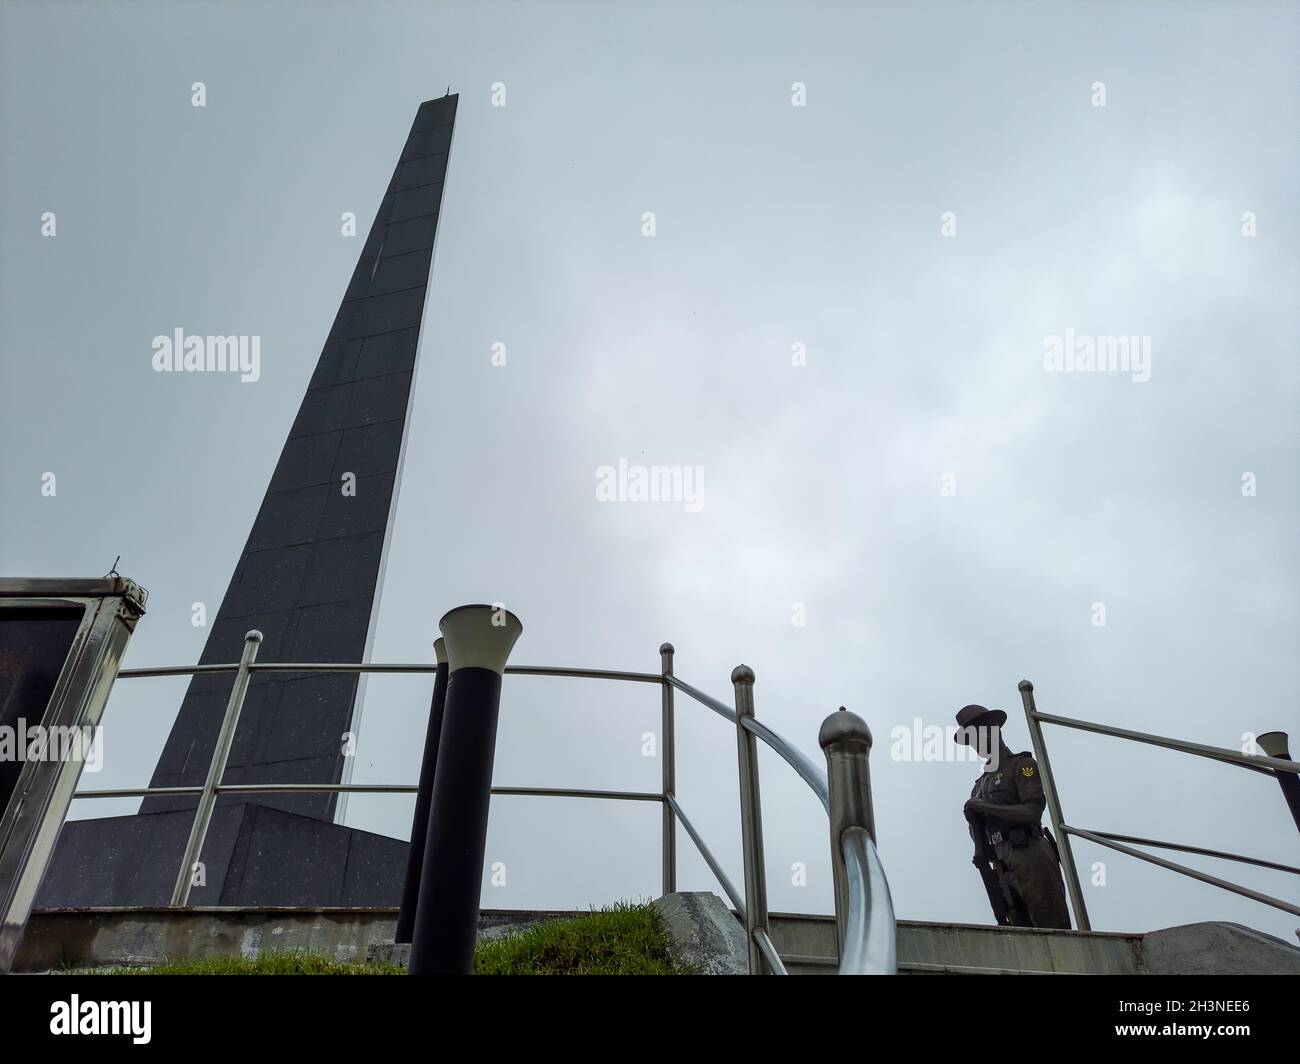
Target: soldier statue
1016, 856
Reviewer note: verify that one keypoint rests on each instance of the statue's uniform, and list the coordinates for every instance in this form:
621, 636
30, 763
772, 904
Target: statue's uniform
1026, 854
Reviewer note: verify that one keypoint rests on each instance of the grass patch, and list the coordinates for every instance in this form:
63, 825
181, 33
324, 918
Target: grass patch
621, 940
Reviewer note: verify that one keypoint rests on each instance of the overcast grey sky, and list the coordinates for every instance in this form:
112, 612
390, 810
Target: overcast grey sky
828, 487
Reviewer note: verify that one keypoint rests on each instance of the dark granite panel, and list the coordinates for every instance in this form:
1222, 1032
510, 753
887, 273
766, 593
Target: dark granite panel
289, 517
337, 361
378, 399
295, 728
322, 411
368, 317
392, 352
414, 202
366, 511
287, 858
369, 450
433, 114
188, 753
133, 860
376, 870
343, 569
306, 460
298, 770
335, 631
226, 643
417, 172
269, 580
391, 274
427, 142
413, 235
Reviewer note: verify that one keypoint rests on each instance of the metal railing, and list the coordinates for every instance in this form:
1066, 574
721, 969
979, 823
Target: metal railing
1273, 766
864, 914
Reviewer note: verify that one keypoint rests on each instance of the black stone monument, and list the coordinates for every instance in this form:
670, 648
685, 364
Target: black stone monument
309, 580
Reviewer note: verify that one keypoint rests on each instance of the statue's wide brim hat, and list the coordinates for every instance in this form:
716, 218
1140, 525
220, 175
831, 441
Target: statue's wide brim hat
977, 717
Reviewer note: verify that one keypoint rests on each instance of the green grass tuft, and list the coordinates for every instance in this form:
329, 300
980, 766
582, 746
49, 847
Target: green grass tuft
623, 940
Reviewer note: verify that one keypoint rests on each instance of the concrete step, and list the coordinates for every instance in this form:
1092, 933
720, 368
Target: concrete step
807, 947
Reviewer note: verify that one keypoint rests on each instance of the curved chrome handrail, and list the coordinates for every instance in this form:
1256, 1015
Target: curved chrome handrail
795, 758
721, 708
870, 929
769, 952
870, 936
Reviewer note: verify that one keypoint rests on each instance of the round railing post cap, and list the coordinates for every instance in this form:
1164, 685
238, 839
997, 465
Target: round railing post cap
665, 648
843, 728
253, 636
742, 674
1025, 685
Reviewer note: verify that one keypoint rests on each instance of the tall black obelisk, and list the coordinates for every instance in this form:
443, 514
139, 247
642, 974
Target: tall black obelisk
309, 580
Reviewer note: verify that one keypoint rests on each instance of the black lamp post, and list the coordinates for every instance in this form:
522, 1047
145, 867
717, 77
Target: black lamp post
1274, 744
478, 640
423, 796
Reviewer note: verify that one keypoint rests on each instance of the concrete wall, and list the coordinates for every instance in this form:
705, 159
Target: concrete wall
64, 938
90, 938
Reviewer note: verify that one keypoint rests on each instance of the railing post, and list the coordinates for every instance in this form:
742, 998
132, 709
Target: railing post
845, 739
216, 770
751, 818
1054, 808
668, 758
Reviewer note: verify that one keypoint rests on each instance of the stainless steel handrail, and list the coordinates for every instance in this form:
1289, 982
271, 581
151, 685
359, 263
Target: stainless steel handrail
737, 900
870, 946
720, 708
1254, 762
763, 953
363, 788
769, 952
414, 668
1192, 873
794, 757
1201, 850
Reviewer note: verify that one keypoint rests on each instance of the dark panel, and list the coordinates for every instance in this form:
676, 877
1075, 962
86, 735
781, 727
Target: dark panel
379, 314
413, 235
423, 171
392, 352
366, 511
289, 517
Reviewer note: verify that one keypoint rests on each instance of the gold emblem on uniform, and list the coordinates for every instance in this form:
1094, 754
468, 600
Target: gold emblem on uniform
1027, 771
997, 779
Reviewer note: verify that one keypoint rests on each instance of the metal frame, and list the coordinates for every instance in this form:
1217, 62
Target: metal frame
38, 806
1254, 762
864, 910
